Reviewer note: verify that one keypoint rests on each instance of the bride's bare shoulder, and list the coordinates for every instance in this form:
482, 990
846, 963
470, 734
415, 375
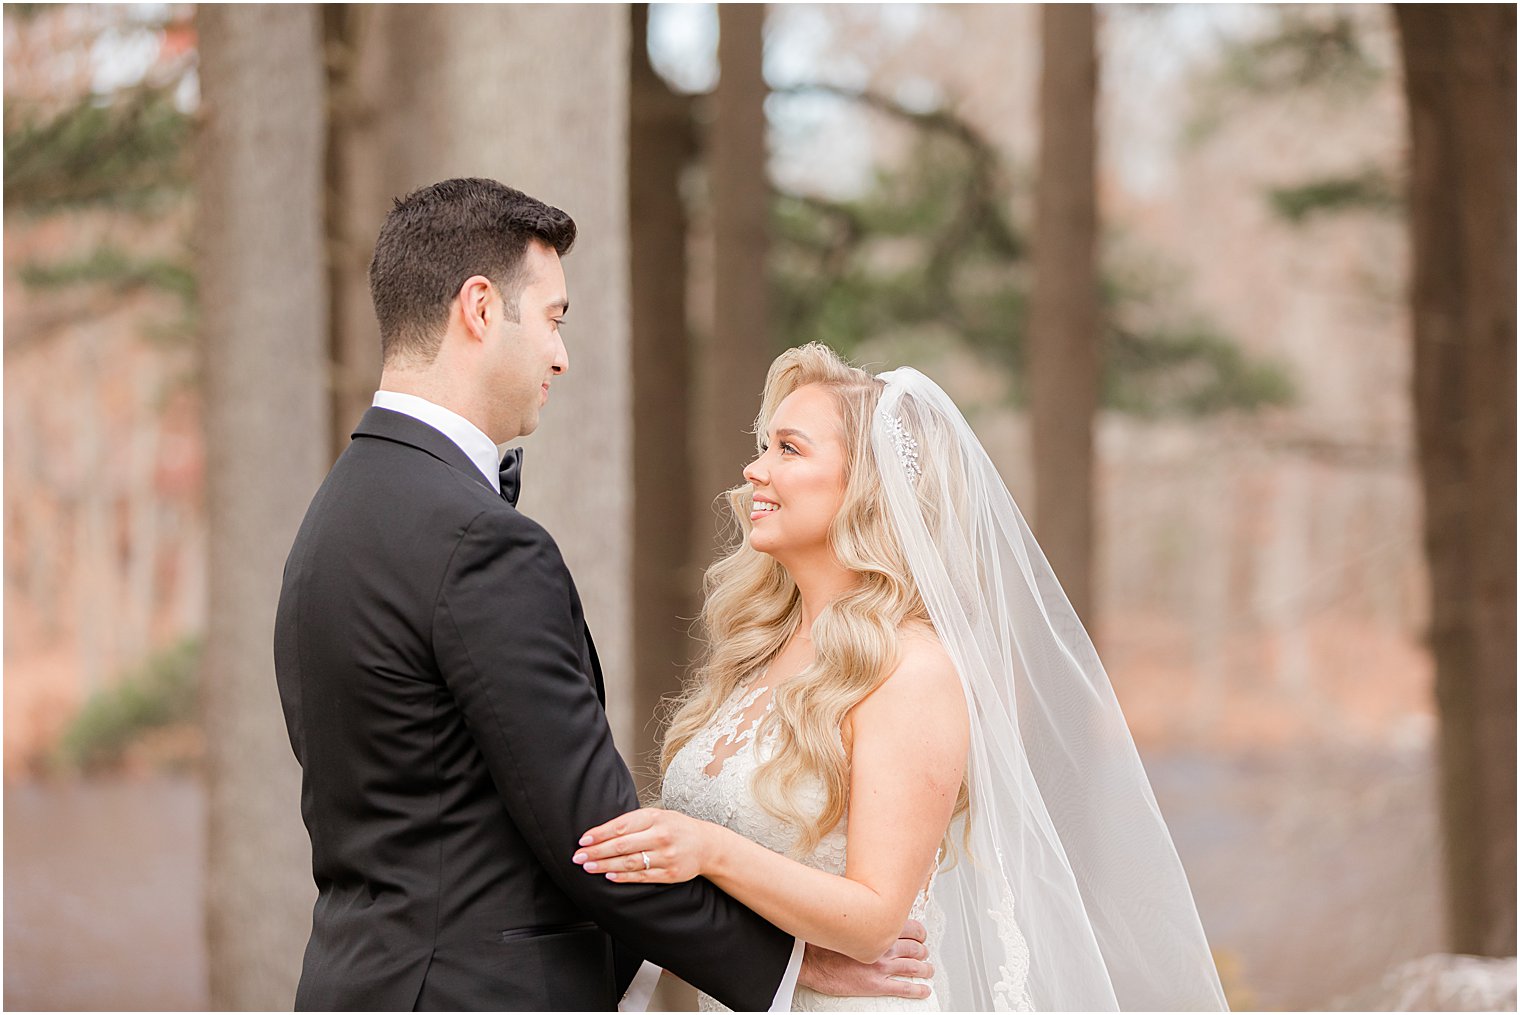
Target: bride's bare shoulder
920, 700
923, 668
919, 646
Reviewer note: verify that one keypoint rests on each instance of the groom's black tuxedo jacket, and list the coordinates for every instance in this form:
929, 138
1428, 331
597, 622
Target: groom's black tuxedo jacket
445, 703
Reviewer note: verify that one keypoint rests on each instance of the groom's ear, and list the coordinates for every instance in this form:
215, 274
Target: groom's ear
473, 304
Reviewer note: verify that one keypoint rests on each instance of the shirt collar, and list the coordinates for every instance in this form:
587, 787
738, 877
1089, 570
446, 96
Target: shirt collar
476, 445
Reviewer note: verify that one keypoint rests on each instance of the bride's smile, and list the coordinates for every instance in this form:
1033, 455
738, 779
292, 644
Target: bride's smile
797, 484
762, 507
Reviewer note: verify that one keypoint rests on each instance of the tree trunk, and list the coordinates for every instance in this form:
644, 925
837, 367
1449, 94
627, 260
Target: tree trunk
265, 373
735, 357
1459, 67
354, 209
1063, 319
665, 577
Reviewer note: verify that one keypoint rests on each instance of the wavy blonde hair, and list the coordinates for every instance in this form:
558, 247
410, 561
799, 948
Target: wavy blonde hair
752, 608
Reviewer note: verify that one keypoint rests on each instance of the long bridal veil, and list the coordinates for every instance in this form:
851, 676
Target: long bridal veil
1065, 892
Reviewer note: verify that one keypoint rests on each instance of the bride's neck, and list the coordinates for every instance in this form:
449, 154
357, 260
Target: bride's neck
819, 585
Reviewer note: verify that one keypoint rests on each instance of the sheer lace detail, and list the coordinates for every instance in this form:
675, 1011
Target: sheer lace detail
1011, 991
709, 778
738, 727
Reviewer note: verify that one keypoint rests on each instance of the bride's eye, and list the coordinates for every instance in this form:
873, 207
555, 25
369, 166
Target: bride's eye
785, 447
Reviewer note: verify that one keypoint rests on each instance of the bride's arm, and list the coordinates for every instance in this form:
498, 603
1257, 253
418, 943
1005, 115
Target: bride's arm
907, 762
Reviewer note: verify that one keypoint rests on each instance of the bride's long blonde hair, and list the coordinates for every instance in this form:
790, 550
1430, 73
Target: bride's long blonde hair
752, 608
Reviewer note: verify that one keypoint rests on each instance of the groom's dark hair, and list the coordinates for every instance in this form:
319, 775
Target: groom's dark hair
438, 236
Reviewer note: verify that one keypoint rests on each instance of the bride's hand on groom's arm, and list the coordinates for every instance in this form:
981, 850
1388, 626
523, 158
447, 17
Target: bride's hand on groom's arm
648, 846
680, 848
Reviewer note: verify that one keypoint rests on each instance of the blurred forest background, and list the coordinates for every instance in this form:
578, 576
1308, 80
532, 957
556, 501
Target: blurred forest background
1227, 291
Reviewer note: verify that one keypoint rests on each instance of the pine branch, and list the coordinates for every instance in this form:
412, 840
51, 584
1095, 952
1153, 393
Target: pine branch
842, 276
1369, 190
115, 268
131, 152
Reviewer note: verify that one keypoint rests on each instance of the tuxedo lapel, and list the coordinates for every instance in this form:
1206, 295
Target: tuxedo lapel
389, 425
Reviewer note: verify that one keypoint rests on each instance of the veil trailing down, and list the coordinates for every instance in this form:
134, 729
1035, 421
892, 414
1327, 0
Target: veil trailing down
1066, 892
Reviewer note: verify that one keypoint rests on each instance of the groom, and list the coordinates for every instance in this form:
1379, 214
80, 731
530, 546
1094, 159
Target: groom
440, 686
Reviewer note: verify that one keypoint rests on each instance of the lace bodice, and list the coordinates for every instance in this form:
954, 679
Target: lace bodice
709, 778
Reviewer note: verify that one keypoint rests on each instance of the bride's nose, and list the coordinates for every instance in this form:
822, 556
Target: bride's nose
753, 474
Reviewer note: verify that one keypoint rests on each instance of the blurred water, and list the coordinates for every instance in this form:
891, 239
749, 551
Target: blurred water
1314, 871
103, 895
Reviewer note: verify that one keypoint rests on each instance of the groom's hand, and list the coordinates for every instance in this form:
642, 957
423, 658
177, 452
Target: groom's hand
835, 974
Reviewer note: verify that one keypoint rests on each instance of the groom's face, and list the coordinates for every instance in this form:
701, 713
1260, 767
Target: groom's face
528, 352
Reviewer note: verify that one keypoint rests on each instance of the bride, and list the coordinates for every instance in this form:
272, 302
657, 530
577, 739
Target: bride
899, 714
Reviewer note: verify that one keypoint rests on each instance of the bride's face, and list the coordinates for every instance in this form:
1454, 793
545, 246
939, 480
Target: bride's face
799, 479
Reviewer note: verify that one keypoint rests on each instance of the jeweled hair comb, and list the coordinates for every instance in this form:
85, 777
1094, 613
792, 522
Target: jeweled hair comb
907, 447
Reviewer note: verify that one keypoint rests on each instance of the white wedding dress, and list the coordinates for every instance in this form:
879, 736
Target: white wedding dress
710, 779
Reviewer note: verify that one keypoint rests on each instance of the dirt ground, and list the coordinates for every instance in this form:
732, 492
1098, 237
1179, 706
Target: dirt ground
103, 895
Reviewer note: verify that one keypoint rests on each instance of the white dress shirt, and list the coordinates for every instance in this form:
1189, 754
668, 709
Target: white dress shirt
487, 458
466, 435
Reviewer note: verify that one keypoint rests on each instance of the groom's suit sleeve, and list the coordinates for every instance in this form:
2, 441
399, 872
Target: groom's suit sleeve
510, 650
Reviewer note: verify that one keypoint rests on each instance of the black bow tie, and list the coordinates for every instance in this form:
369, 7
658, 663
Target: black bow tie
511, 475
